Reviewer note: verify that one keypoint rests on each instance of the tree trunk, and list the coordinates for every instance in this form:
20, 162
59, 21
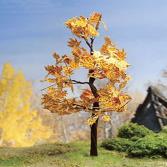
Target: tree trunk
93, 146
93, 149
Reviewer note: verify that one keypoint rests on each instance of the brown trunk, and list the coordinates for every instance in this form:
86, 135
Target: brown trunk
93, 146
93, 149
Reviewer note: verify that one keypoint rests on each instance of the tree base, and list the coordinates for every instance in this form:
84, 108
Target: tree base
93, 148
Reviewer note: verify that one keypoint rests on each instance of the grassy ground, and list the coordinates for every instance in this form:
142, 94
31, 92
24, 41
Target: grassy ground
70, 155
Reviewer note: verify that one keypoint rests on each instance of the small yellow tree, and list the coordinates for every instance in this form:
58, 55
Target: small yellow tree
106, 64
20, 125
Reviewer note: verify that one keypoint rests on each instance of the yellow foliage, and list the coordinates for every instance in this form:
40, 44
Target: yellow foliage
106, 118
83, 27
20, 125
73, 43
95, 18
92, 120
108, 63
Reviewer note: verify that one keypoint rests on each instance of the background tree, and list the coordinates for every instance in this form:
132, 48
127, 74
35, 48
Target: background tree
20, 125
106, 64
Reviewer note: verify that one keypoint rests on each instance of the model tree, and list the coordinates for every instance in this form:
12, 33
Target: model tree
106, 64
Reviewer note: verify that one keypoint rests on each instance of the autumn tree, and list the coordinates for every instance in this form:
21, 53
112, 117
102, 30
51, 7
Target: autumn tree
20, 125
108, 63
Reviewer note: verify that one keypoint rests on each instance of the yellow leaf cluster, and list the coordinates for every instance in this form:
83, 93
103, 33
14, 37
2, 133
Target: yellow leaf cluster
20, 125
73, 43
84, 27
95, 19
106, 118
108, 63
112, 99
56, 101
92, 120
83, 58
87, 98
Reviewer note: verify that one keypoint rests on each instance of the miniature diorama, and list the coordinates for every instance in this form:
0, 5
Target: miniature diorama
83, 83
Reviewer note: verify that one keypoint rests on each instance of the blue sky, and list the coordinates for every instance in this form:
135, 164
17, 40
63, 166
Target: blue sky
31, 30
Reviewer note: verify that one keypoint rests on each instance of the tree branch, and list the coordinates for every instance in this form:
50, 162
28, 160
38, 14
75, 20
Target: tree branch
79, 82
87, 42
75, 82
48, 87
123, 105
90, 44
83, 107
91, 79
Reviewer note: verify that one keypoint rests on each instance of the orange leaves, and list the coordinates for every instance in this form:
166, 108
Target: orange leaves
110, 59
90, 31
104, 48
124, 97
121, 54
112, 99
92, 120
57, 70
96, 73
95, 18
57, 57
86, 95
106, 118
112, 55
83, 58
76, 51
108, 41
87, 61
66, 59
67, 71
83, 27
74, 64
76, 22
73, 43
109, 64
59, 75
58, 94
88, 98
55, 100
53, 70
63, 59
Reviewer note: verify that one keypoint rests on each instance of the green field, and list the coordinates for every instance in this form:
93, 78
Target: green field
70, 155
